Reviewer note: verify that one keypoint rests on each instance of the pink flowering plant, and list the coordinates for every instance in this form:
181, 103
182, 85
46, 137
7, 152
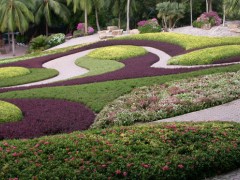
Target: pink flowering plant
81, 30
208, 18
149, 26
163, 101
162, 151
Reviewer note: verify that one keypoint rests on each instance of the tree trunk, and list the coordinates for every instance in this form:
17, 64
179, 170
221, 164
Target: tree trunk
86, 21
97, 20
13, 44
119, 20
191, 11
128, 16
46, 29
209, 5
9, 44
224, 14
206, 5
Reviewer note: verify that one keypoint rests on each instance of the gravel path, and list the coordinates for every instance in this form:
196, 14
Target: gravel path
234, 175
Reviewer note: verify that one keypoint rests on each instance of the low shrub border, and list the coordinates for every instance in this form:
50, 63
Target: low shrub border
157, 102
164, 151
117, 53
186, 41
9, 113
34, 76
206, 56
10, 72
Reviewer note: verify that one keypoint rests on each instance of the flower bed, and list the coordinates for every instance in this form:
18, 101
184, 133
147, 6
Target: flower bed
9, 72
207, 20
163, 101
207, 56
9, 113
166, 151
117, 53
149, 26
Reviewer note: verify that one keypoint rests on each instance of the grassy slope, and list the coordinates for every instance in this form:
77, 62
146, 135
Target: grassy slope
206, 56
98, 95
35, 75
166, 151
186, 41
96, 66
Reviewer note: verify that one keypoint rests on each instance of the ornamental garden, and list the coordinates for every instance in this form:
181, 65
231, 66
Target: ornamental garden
101, 123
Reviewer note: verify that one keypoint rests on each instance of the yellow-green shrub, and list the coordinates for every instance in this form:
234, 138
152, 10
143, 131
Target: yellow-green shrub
8, 72
9, 112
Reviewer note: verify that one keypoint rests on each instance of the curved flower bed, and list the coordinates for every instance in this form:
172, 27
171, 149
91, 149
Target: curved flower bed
47, 117
163, 101
9, 72
9, 112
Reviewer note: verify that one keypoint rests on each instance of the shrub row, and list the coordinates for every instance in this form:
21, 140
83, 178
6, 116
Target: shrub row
9, 72
9, 112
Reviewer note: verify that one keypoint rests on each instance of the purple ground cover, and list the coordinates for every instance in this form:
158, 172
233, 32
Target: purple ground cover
47, 117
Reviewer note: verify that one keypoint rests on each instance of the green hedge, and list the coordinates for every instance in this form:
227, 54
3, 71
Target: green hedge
165, 151
10, 72
206, 56
186, 41
9, 113
117, 53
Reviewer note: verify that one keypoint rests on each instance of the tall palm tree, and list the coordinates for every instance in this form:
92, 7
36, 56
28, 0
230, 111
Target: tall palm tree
46, 8
85, 5
98, 5
15, 15
128, 16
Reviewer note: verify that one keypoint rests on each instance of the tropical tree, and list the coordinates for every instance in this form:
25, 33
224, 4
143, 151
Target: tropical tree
15, 15
98, 5
47, 9
86, 6
128, 16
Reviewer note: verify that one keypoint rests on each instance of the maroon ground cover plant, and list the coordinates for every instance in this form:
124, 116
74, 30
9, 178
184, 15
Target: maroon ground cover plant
47, 117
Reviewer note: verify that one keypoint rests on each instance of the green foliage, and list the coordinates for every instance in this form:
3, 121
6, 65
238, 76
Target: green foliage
174, 151
9, 72
34, 76
78, 33
96, 66
9, 113
117, 53
151, 103
98, 95
55, 39
38, 44
185, 41
206, 56
198, 24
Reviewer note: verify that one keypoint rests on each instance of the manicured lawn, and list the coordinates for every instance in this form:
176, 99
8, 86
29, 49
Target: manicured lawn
35, 75
164, 151
206, 56
185, 41
97, 66
9, 112
98, 95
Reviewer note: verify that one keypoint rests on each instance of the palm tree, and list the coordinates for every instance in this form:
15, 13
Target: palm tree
98, 5
117, 8
128, 16
15, 15
85, 5
46, 9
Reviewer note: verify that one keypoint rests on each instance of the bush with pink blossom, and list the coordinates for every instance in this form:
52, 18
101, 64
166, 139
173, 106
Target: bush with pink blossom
149, 26
208, 18
81, 30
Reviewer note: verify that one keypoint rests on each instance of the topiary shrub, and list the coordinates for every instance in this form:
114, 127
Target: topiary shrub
55, 39
150, 26
39, 43
9, 112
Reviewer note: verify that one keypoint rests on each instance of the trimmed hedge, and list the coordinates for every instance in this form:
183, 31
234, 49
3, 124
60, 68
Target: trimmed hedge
185, 41
151, 103
165, 151
9, 113
117, 53
206, 56
9, 72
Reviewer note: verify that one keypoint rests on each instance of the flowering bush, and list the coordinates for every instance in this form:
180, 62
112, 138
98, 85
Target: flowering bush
208, 18
90, 30
175, 151
80, 26
149, 26
162, 101
81, 30
55, 39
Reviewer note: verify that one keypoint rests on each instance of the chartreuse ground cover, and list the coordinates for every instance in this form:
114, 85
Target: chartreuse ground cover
97, 95
117, 53
186, 41
9, 113
9, 72
33, 75
206, 56
164, 151
157, 102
